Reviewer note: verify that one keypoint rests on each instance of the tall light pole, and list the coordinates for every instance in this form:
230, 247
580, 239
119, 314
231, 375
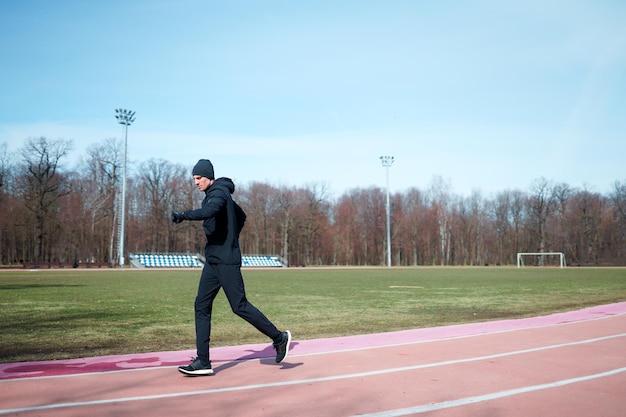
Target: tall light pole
387, 162
125, 118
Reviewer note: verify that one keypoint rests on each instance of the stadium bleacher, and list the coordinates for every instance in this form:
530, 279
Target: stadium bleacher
166, 260
179, 260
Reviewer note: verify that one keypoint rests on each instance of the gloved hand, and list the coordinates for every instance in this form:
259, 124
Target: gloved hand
177, 216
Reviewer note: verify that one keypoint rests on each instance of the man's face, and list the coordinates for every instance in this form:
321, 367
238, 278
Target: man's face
203, 183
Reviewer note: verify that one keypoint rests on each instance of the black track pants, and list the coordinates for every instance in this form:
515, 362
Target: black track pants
228, 277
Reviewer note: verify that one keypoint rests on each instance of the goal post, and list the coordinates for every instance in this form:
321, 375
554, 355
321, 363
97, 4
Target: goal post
540, 256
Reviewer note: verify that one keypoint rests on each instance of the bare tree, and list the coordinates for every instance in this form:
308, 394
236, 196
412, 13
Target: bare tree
186, 237
618, 200
541, 204
408, 215
5, 223
346, 232
362, 218
441, 201
4, 168
42, 183
501, 220
562, 193
313, 217
471, 215
260, 202
159, 183
588, 209
286, 205
103, 166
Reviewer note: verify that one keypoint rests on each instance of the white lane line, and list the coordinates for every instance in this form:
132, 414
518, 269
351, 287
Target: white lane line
488, 397
306, 381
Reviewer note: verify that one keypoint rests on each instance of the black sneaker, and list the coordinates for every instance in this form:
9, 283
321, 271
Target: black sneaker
282, 346
197, 368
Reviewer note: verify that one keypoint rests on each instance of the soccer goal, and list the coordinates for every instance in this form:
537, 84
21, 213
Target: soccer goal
541, 259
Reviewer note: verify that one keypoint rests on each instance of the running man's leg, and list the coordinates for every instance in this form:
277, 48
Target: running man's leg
208, 288
232, 283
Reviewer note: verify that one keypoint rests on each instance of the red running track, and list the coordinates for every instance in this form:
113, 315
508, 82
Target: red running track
570, 364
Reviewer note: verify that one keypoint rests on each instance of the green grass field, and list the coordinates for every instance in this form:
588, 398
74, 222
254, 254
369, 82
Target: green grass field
56, 314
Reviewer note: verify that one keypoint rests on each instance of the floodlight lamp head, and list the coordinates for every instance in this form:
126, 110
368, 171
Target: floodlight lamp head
387, 161
125, 117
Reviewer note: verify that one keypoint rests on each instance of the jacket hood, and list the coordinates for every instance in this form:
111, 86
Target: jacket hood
224, 183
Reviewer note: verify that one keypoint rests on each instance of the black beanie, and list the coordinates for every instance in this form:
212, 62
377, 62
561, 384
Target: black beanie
204, 168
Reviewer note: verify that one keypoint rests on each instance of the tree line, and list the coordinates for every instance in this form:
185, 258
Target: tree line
54, 213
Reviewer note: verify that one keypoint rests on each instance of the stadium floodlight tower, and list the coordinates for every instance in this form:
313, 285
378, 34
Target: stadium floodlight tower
125, 118
387, 162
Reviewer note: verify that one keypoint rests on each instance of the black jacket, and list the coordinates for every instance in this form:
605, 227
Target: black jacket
220, 223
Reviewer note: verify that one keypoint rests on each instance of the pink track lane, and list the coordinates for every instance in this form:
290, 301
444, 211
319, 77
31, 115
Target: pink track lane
563, 364
259, 351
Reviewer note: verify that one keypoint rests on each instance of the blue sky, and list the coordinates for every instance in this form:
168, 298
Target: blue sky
486, 95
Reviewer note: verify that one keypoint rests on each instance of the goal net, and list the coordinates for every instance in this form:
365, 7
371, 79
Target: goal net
541, 259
